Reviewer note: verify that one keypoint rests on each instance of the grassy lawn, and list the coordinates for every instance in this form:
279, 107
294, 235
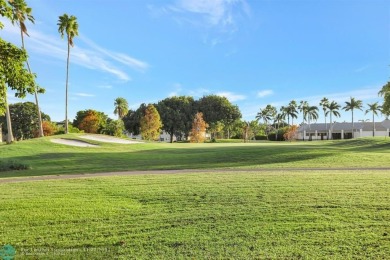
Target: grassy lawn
44, 157
243, 215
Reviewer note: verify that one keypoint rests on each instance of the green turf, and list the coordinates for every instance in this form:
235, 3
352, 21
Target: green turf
294, 215
44, 157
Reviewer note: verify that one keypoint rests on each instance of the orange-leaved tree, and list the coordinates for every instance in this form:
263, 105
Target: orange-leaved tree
291, 133
90, 123
198, 131
150, 124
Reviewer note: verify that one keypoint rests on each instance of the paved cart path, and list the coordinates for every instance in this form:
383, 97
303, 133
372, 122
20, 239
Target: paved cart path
126, 173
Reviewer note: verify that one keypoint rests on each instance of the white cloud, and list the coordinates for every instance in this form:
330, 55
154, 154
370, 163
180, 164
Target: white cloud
84, 95
264, 93
95, 57
231, 96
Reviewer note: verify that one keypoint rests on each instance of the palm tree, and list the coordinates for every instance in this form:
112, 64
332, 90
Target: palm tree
333, 109
312, 114
279, 117
283, 114
325, 103
292, 111
121, 107
67, 24
21, 12
351, 105
374, 108
266, 114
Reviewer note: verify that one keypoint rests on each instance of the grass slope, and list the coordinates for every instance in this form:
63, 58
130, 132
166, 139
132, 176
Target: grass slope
220, 215
44, 157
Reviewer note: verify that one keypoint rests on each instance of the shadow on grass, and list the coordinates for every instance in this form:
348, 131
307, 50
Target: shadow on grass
166, 159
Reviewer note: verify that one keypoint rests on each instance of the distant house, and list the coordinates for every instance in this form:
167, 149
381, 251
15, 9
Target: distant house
343, 130
164, 137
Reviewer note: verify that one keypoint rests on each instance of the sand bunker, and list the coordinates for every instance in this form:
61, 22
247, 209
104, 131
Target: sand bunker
73, 142
108, 139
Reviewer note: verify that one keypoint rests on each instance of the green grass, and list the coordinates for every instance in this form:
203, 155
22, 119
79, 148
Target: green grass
44, 157
295, 215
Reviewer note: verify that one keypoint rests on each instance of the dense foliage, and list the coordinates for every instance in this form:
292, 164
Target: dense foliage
150, 124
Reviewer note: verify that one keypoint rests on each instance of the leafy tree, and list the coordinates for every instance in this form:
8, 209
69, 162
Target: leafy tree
133, 118
291, 133
351, 105
151, 123
115, 128
121, 107
67, 25
90, 121
333, 109
24, 119
21, 12
374, 108
15, 76
216, 108
385, 93
176, 114
198, 131
49, 128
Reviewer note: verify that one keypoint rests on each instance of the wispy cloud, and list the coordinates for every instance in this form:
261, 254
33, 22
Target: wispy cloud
264, 93
218, 17
95, 57
105, 86
231, 96
84, 95
363, 68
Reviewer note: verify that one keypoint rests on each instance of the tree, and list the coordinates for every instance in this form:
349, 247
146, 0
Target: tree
267, 114
90, 121
216, 108
351, 105
133, 118
278, 118
325, 104
24, 120
49, 128
121, 107
21, 12
115, 128
176, 115
333, 109
291, 111
15, 76
150, 124
198, 131
67, 24
385, 93
291, 133
374, 108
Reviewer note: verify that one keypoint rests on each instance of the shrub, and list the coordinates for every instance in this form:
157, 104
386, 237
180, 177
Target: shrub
12, 166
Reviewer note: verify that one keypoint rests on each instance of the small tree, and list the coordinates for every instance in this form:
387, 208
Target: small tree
291, 133
198, 131
90, 123
150, 124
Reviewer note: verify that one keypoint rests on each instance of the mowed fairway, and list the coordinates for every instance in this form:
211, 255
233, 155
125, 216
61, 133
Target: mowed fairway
217, 215
45, 158
252, 211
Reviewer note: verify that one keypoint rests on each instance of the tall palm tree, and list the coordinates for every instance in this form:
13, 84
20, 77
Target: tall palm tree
279, 117
333, 109
283, 114
67, 24
325, 103
266, 114
292, 111
311, 114
351, 105
121, 107
20, 13
303, 105
374, 108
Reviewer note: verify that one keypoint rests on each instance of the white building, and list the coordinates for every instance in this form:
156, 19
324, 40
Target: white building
321, 131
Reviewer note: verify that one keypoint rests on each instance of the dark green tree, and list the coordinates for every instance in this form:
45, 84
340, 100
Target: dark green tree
133, 118
385, 93
176, 114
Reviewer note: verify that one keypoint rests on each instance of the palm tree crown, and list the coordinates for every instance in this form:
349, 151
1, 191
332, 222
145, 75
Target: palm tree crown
121, 107
350, 106
374, 108
333, 109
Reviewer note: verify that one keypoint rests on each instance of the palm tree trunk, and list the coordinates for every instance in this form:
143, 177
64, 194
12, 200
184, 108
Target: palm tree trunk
353, 125
373, 125
331, 124
35, 93
66, 89
10, 136
326, 127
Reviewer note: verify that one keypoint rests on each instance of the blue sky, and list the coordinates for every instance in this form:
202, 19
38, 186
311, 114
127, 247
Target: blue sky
253, 52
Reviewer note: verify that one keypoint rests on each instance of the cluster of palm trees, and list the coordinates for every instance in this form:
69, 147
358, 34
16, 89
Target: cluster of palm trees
270, 115
67, 24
